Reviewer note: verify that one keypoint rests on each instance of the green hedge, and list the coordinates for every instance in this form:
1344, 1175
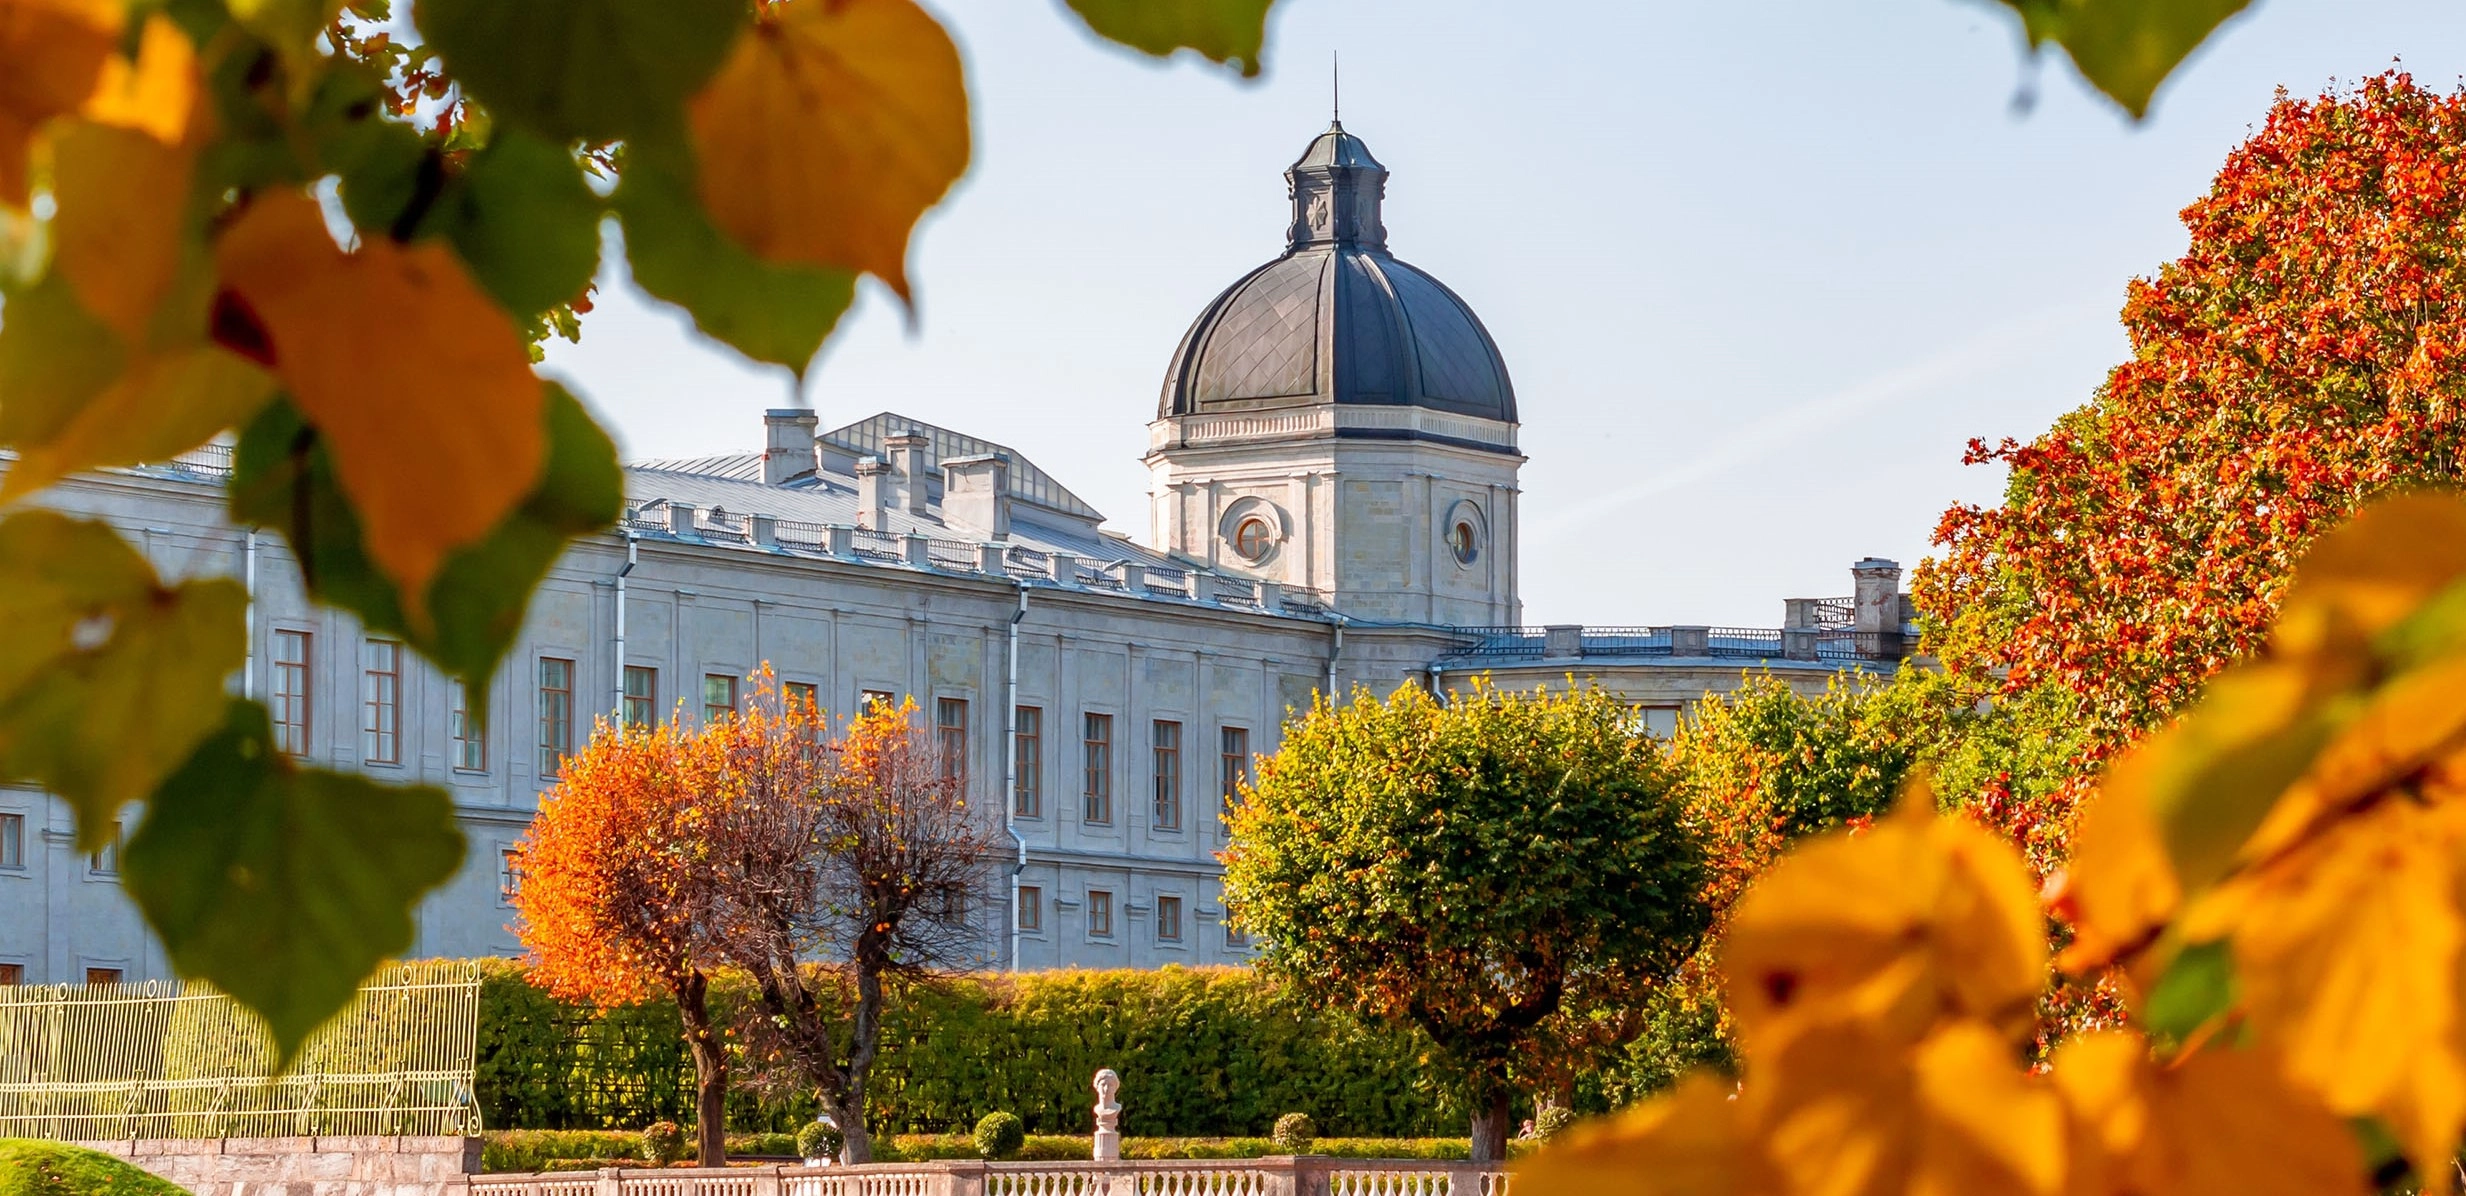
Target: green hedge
32, 1168
569, 1150
1202, 1052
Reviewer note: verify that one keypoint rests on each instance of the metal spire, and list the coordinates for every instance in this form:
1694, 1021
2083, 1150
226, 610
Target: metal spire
1335, 106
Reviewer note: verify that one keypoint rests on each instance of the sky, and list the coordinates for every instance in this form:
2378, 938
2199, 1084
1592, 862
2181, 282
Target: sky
1759, 270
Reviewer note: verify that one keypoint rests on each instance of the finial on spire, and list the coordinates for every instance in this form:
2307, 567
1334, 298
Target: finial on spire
1335, 99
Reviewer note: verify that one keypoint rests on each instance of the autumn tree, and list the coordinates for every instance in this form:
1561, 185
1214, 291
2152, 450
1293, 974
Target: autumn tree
1476, 868
857, 865
617, 898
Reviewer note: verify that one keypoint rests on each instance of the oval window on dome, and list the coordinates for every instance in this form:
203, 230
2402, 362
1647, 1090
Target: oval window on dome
1254, 539
1464, 541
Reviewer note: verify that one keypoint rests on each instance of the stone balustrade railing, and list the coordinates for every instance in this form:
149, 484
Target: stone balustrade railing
1278, 1175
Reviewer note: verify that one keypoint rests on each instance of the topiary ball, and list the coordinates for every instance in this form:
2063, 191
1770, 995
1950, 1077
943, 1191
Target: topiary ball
663, 1142
1552, 1121
819, 1140
1000, 1135
1295, 1132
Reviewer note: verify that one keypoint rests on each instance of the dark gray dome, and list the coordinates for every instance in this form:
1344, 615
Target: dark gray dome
1338, 319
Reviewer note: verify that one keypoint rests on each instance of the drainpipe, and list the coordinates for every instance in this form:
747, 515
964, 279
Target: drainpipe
1438, 682
632, 557
248, 582
1335, 648
1010, 767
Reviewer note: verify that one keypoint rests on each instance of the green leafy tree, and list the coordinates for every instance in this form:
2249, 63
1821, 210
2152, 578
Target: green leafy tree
1480, 868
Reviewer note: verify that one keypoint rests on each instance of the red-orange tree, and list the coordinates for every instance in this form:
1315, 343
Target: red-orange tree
617, 898
2302, 356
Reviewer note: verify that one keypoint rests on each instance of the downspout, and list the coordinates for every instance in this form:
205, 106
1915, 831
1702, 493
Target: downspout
632, 557
248, 583
1438, 682
1010, 767
1335, 648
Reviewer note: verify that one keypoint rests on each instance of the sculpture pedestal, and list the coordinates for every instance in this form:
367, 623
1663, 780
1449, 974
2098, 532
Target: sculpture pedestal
1108, 1146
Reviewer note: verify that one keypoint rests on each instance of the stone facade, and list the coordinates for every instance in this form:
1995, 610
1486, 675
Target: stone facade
392, 1166
1355, 527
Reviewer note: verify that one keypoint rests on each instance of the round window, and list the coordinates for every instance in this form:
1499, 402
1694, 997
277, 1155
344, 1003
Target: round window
1464, 542
1253, 539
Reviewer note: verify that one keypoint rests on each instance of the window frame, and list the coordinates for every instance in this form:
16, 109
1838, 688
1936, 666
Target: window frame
509, 878
1027, 762
1232, 763
467, 737
12, 973
639, 709
1096, 768
116, 975
556, 716
103, 862
292, 690
712, 711
1028, 914
1169, 919
1100, 903
1166, 760
12, 840
800, 693
381, 702
951, 738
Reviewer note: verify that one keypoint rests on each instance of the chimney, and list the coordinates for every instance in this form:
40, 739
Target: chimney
912, 452
872, 492
788, 444
1876, 606
976, 494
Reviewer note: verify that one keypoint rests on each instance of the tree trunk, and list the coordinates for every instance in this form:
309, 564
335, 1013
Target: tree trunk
710, 1073
1492, 1102
858, 1140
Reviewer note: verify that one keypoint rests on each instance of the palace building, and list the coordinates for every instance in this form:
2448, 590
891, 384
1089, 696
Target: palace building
1333, 503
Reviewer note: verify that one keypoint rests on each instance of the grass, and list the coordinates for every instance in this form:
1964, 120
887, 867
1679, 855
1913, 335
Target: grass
569, 1150
32, 1168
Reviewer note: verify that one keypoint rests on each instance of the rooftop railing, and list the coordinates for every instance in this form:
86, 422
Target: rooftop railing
1511, 645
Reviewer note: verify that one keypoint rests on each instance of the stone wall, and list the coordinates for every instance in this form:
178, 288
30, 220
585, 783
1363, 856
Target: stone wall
305, 1166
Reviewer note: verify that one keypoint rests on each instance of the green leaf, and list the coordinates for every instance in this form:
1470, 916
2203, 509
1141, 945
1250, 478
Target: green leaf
775, 314
1228, 31
590, 70
2197, 987
54, 358
107, 678
2125, 48
284, 479
284, 886
527, 223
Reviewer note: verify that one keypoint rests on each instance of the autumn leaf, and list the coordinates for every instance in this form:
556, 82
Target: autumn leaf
1919, 918
164, 404
419, 384
2125, 48
829, 131
588, 70
285, 886
2219, 1120
2121, 888
1688, 1142
1843, 1110
155, 92
52, 54
1228, 31
122, 233
108, 677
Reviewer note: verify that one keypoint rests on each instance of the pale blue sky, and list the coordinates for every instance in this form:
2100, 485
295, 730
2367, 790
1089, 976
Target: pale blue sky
1759, 269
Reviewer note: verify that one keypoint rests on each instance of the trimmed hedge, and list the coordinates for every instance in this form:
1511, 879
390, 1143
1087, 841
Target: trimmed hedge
35, 1168
1201, 1051
562, 1150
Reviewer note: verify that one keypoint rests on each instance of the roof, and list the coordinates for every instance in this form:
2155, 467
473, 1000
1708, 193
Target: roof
1028, 484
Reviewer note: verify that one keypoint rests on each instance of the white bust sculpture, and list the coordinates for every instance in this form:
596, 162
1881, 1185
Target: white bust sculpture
1108, 1116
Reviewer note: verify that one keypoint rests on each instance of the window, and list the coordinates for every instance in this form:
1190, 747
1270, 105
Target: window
950, 729
102, 975
291, 692
718, 696
1031, 908
1232, 763
1097, 748
1464, 541
641, 695
867, 699
1028, 760
556, 713
1168, 746
1235, 938
12, 840
1099, 914
1253, 539
509, 874
802, 696
1168, 919
381, 702
106, 859
12, 974
470, 738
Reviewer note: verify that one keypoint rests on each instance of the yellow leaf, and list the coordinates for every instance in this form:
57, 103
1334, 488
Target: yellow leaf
2347, 949
420, 386
2217, 1121
1917, 919
1687, 1143
2373, 571
1842, 1110
122, 229
162, 405
2120, 889
52, 54
830, 129
155, 94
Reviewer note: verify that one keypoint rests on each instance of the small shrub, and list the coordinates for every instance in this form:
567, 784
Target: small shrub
1295, 1132
32, 1168
1552, 1121
663, 1142
1000, 1135
819, 1140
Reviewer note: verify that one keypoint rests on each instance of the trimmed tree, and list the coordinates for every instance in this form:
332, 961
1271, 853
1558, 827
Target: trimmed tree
1479, 869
